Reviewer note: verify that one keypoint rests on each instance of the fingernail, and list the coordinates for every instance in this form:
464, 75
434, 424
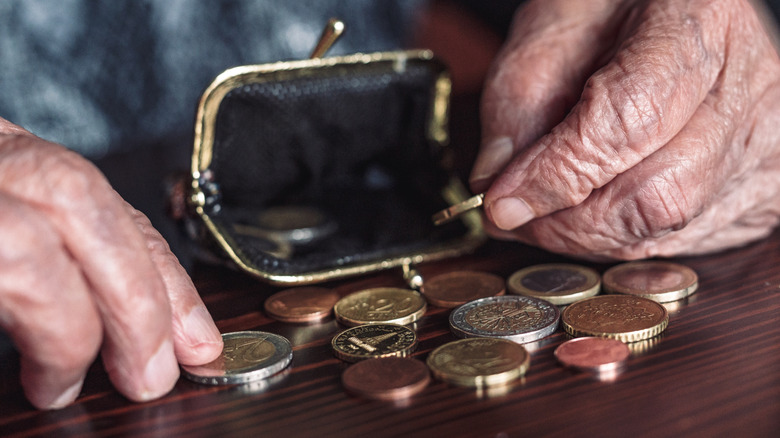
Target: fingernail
510, 213
67, 397
492, 158
161, 373
199, 328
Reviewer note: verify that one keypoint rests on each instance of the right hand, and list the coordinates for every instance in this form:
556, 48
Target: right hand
83, 272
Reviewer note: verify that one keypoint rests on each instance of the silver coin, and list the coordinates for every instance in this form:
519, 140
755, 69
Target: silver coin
517, 318
246, 357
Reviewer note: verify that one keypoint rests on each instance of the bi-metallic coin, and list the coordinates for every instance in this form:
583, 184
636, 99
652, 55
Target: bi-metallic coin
558, 283
372, 341
457, 288
479, 362
626, 318
657, 280
380, 305
516, 318
246, 357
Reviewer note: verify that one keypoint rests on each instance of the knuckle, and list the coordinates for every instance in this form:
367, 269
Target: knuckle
70, 179
660, 206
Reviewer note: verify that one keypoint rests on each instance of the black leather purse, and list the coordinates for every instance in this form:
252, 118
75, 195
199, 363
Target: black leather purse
310, 170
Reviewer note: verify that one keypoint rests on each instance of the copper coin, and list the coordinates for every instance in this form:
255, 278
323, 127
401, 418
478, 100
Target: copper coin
389, 378
301, 304
558, 283
597, 355
623, 317
457, 288
657, 280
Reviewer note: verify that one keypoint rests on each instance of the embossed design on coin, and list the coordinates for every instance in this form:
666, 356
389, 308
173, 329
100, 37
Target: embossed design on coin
301, 304
246, 356
623, 317
457, 288
374, 341
517, 318
380, 305
479, 362
595, 355
657, 280
558, 283
389, 378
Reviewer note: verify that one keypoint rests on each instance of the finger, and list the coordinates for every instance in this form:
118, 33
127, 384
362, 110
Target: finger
196, 339
138, 349
46, 307
539, 75
628, 110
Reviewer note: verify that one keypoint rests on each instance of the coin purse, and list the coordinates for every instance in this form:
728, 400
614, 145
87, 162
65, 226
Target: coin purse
310, 170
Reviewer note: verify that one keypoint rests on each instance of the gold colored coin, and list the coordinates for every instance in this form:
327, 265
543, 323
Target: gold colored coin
657, 280
623, 317
457, 288
380, 305
558, 283
479, 362
451, 213
374, 341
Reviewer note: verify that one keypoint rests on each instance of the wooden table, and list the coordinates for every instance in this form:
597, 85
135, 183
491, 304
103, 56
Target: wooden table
714, 372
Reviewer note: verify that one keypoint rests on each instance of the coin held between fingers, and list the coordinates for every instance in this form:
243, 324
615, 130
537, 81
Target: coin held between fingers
453, 212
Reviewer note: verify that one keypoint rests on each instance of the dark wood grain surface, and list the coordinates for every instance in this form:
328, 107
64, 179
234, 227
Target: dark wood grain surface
714, 372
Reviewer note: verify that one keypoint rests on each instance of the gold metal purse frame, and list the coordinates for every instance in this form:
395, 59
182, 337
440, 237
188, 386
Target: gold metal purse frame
436, 131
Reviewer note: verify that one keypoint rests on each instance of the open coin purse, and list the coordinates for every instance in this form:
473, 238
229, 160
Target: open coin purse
311, 170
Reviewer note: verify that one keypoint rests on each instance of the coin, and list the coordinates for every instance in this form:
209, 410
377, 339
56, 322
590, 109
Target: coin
596, 355
246, 357
513, 317
479, 362
296, 224
380, 305
558, 283
451, 213
388, 378
623, 317
657, 280
301, 304
374, 341
456, 288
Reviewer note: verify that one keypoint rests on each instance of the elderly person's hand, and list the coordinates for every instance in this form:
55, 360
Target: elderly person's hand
631, 129
82, 272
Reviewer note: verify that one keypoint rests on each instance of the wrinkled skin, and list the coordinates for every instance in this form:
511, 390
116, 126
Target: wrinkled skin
632, 129
82, 272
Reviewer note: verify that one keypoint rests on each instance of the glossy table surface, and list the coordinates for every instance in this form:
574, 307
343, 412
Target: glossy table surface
714, 372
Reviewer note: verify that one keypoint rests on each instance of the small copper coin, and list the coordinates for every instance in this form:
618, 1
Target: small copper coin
380, 305
451, 213
456, 288
301, 304
389, 378
657, 280
623, 317
479, 362
558, 283
373, 341
596, 355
